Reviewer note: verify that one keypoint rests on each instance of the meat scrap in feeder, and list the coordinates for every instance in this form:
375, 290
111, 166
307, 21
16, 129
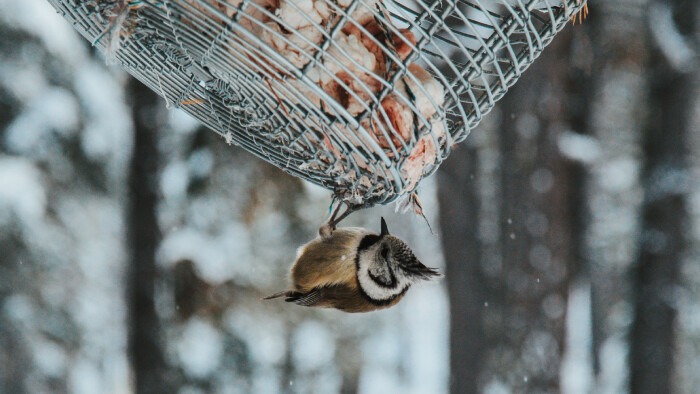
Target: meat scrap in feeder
365, 51
364, 97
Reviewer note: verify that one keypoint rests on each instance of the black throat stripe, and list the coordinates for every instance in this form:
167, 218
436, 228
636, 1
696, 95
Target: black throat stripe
380, 302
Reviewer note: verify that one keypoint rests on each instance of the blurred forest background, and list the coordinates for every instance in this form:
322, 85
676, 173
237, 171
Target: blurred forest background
134, 243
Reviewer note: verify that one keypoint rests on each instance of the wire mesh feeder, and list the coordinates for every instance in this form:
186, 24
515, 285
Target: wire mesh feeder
363, 97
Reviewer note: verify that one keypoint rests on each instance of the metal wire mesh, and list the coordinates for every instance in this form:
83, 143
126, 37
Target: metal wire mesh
363, 97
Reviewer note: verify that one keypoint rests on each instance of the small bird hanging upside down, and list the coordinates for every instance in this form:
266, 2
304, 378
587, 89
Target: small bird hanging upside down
354, 270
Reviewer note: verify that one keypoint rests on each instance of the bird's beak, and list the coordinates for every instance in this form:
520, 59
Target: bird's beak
385, 229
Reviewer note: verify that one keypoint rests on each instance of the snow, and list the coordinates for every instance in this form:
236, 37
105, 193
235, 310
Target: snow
579, 147
18, 307
54, 110
619, 175
496, 387
22, 191
378, 380
315, 191
174, 180
690, 318
540, 353
50, 358
199, 348
217, 258
266, 381
553, 306
381, 347
694, 207
577, 364
84, 377
177, 175
200, 163
313, 346
107, 133
182, 123
426, 318
678, 49
263, 334
330, 381
40, 19
613, 366
23, 80
73, 316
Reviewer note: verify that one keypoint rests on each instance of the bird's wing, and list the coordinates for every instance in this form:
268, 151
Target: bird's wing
329, 262
344, 298
305, 299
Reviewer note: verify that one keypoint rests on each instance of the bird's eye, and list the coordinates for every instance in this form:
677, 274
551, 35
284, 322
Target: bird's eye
385, 252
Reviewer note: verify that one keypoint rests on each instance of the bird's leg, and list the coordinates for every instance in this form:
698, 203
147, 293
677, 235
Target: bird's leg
350, 209
327, 228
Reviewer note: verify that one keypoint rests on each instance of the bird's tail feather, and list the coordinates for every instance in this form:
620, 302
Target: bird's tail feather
285, 293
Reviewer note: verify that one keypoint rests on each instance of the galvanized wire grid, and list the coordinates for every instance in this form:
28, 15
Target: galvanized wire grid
286, 81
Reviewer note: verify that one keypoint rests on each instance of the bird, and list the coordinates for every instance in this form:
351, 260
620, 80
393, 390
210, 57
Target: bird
354, 270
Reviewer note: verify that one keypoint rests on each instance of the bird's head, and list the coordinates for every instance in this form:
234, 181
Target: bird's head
387, 267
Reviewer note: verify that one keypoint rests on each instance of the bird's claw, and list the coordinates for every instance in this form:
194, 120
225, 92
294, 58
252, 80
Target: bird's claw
326, 230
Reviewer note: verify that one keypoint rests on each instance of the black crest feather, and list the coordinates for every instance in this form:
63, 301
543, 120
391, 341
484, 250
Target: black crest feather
385, 229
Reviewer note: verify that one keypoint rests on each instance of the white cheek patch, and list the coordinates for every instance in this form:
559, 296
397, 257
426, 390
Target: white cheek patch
372, 288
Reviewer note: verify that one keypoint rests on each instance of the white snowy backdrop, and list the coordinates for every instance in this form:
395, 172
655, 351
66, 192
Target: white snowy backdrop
557, 217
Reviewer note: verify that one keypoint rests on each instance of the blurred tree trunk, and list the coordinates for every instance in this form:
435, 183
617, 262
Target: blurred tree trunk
538, 224
664, 213
616, 107
686, 378
349, 360
507, 325
14, 359
459, 215
145, 352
